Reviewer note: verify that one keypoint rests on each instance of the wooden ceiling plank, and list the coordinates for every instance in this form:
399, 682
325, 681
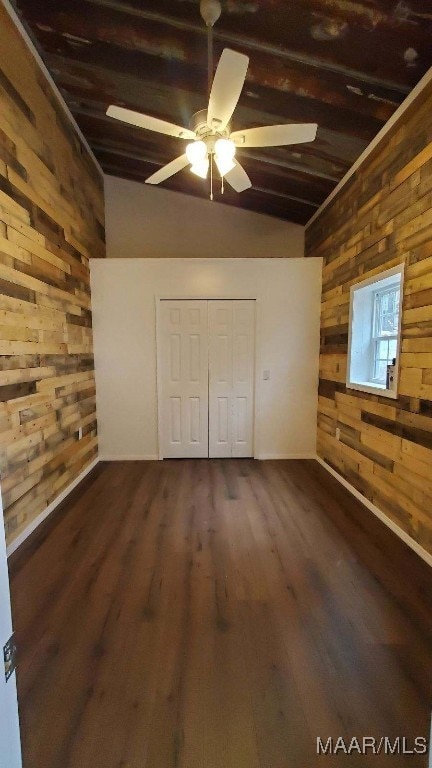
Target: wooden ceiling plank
163, 92
277, 49
267, 65
345, 64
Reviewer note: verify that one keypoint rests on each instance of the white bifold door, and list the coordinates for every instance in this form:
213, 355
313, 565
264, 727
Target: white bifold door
183, 360
206, 378
231, 377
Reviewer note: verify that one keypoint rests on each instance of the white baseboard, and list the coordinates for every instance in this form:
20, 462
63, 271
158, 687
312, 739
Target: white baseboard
128, 457
155, 457
418, 549
275, 456
50, 508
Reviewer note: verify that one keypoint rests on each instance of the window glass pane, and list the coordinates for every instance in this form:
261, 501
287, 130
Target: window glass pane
380, 370
387, 312
389, 324
382, 349
392, 349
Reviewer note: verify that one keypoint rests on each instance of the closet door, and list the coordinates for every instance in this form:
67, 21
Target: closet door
183, 361
231, 378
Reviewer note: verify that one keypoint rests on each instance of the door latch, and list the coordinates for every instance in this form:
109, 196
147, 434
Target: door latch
9, 657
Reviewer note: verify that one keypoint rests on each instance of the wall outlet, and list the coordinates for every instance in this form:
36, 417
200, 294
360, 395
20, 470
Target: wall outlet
80, 433
337, 433
266, 375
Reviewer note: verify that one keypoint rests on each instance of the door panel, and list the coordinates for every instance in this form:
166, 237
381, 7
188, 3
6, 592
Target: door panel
175, 344
220, 377
222, 423
183, 360
243, 377
195, 357
195, 419
231, 377
175, 421
241, 430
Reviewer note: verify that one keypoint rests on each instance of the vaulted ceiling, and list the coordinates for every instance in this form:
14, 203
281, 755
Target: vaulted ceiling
345, 64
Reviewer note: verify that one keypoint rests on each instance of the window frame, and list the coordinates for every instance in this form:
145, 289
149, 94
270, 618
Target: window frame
371, 386
377, 337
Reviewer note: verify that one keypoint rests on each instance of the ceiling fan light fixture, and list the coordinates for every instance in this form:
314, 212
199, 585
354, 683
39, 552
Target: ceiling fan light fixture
196, 152
200, 168
224, 165
225, 150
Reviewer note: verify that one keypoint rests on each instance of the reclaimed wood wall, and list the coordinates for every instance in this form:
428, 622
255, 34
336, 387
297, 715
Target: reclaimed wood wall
51, 223
382, 217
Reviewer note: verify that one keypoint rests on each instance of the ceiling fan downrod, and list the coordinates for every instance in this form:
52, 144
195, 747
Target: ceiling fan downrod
210, 12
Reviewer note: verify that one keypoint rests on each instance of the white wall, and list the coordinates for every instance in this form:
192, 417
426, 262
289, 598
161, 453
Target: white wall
123, 297
144, 222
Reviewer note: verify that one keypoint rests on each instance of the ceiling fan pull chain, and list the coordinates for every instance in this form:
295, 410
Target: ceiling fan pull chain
211, 176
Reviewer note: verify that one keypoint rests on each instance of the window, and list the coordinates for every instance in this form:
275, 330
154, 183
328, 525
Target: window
374, 333
386, 329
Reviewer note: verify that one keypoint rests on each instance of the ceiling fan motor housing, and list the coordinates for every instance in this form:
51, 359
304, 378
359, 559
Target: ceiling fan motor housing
198, 123
210, 11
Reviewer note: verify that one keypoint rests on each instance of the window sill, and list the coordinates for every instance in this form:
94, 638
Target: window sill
372, 389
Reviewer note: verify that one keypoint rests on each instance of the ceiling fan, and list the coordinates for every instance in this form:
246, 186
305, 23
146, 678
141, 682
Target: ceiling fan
210, 136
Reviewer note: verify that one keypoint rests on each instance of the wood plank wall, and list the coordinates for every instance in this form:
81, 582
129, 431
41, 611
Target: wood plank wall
51, 223
382, 217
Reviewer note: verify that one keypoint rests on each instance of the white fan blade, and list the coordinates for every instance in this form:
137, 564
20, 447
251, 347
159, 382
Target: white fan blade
238, 178
275, 135
226, 89
168, 170
151, 123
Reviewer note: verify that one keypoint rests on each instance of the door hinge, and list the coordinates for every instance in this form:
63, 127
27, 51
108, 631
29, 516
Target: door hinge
9, 657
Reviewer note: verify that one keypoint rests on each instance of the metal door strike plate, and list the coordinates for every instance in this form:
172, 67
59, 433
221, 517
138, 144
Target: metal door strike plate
9, 657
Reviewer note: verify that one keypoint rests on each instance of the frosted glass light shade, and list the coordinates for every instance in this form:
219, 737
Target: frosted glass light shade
224, 165
201, 167
196, 152
225, 149
225, 152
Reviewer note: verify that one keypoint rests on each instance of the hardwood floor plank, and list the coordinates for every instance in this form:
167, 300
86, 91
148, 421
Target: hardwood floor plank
218, 614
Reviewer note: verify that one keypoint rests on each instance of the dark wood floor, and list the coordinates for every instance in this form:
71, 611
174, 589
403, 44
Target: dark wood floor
218, 614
